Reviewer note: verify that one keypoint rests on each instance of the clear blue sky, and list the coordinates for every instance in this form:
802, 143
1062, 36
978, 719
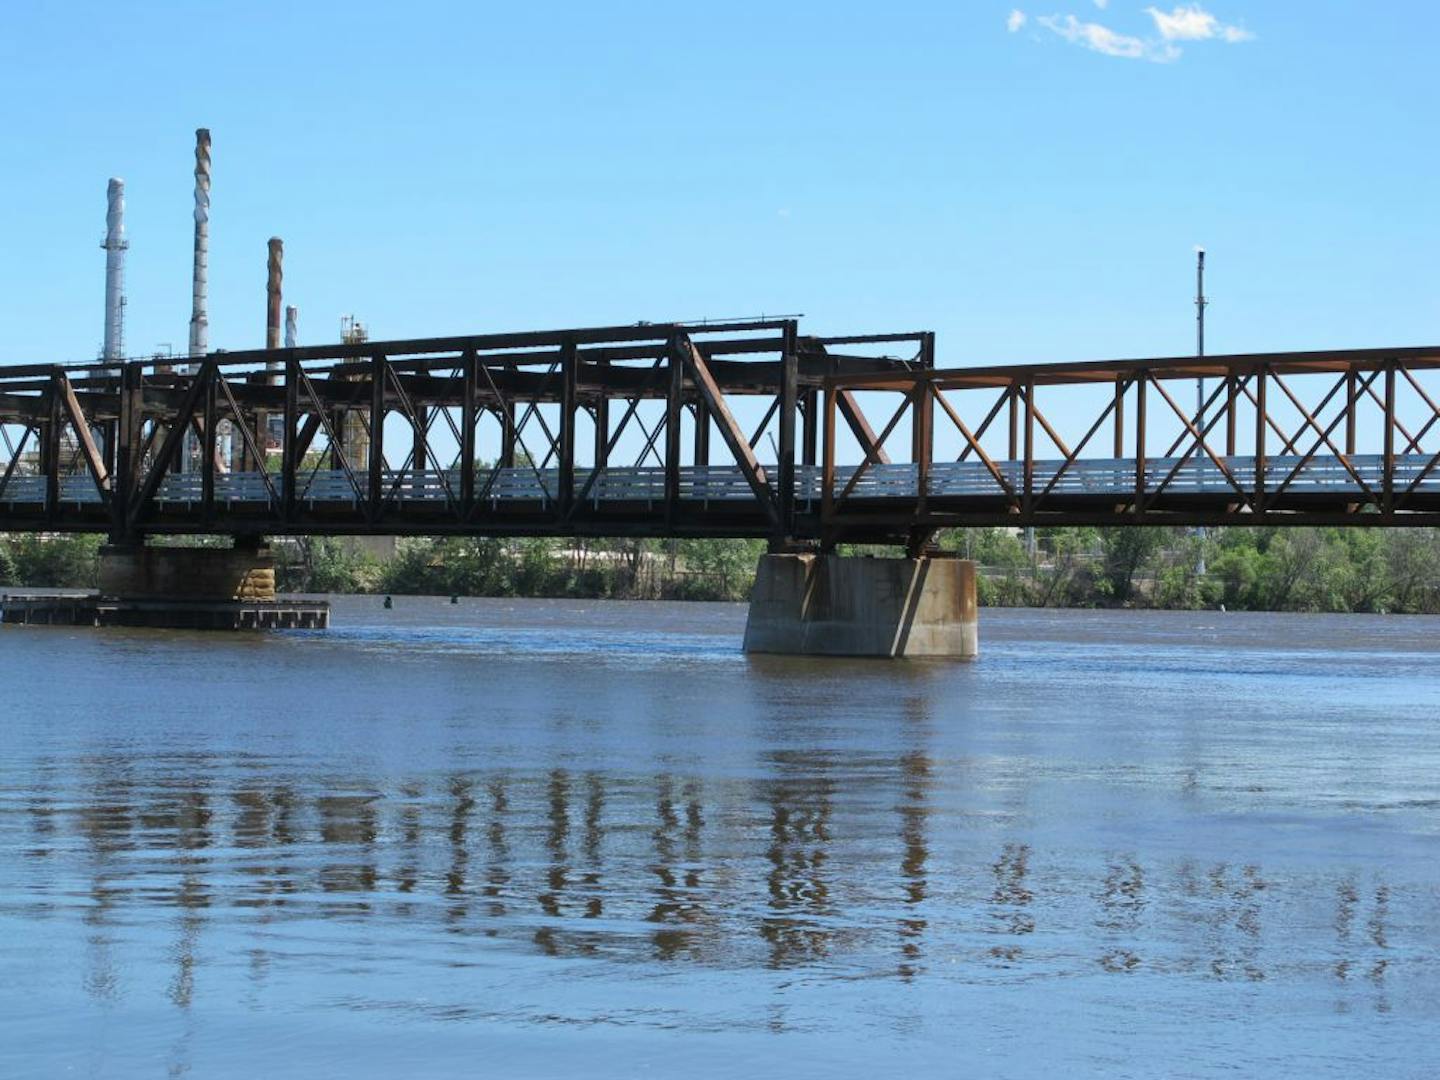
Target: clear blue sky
1029, 184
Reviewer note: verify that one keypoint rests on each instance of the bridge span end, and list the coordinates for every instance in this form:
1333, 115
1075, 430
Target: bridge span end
832, 605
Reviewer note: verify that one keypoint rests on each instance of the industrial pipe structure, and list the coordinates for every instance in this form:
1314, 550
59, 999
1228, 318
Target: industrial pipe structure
199, 278
115, 246
274, 287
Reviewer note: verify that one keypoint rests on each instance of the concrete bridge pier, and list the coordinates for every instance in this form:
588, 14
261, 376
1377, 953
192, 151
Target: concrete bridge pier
176, 588
831, 605
245, 572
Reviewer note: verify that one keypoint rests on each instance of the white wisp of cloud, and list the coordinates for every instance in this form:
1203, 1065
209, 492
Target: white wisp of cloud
1191, 22
1185, 22
1108, 42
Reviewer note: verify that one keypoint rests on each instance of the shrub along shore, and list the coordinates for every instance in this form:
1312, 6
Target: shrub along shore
1301, 569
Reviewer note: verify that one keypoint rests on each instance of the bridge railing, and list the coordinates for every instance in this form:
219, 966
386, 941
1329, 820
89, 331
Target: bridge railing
1108, 477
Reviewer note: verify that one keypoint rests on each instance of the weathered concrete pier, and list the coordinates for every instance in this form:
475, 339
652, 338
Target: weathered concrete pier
245, 572
828, 605
175, 588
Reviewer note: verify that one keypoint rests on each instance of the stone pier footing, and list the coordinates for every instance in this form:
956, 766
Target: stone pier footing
829, 605
135, 572
175, 588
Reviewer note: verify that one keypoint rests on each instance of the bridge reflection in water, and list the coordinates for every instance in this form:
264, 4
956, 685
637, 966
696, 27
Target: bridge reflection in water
776, 873
511, 821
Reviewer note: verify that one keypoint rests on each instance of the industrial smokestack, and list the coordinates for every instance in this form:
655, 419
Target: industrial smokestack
292, 320
274, 280
115, 245
199, 316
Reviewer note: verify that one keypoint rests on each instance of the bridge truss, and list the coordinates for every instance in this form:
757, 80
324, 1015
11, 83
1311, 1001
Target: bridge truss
1320, 438
602, 431
746, 428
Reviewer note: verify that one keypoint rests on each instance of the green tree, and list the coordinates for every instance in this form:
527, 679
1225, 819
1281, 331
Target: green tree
1412, 565
1063, 579
58, 562
1127, 551
414, 570
716, 569
334, 566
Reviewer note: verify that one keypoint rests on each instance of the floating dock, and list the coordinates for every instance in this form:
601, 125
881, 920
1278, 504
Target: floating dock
35, 610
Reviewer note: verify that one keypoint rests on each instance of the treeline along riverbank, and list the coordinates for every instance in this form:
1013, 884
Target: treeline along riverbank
1333, 570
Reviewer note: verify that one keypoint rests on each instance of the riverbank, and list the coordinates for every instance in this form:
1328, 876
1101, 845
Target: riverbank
1309, 570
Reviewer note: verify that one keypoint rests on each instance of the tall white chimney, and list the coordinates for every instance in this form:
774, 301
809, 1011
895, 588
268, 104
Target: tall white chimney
199, 279
292, 321
199, 316
115, 245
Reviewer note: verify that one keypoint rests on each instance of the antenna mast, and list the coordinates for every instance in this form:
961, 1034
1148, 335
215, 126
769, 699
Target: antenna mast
1200, 305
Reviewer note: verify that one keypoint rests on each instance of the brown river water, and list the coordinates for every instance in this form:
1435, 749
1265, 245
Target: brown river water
562, 838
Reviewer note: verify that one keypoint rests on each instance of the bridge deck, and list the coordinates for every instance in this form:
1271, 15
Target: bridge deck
424, 498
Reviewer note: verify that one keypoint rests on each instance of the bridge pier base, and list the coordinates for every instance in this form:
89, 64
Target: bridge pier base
177, 589
138, 572
829, 605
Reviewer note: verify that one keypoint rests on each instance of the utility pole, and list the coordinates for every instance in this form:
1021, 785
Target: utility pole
1200, 305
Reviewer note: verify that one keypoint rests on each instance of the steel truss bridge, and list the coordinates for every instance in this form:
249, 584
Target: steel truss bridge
741, 429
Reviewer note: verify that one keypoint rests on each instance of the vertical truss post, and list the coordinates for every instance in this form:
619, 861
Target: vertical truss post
700, 451
569, 378
506, 414
183, 421
922, 437
111, 429
672, 431
1141, 382
262, 429
1014, 420
1119, 416
1388, 492
377, 436
827, 470
1232, 400
1262, 419
127, 441
789, 404
289, 445
419, 454
810, 450
337, 438
1351, 401
1029, 493
602, 417
467, 434
50, 446
209, 443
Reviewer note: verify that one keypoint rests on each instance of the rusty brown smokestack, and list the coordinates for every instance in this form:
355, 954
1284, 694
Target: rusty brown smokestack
273, 299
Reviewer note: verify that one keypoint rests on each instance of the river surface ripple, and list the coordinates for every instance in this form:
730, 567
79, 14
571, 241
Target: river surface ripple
570, 838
